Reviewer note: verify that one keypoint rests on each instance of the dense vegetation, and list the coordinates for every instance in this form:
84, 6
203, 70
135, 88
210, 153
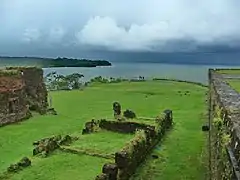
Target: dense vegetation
49, 62
56, 81
181, 154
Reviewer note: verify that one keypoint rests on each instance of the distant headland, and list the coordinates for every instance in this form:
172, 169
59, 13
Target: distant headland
51, 62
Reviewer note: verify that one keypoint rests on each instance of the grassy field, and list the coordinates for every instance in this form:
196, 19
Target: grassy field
102, 142
183, 151
229, 71
62, 166
235, 84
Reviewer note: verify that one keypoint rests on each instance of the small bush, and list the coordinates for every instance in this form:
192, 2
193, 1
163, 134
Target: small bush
129, 114
13, 168
24, 162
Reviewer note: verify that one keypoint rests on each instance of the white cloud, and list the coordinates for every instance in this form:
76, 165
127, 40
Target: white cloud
104, 31
121, 24
202, 21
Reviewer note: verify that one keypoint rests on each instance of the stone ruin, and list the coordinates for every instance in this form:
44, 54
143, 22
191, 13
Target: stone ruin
21, 89
90, 127
134, 152
47, 145
23, 163
127, 114
109, 172
129, 158
117, 110
13, 105
35, 88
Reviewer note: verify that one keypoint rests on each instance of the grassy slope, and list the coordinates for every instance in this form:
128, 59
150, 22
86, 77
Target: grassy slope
181, 150
235, 83
229, 71
63, 166
182, 154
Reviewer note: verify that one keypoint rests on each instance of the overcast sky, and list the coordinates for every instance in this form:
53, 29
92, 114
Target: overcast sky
118, 25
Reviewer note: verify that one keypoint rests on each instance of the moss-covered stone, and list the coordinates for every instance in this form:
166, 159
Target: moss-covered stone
23, 163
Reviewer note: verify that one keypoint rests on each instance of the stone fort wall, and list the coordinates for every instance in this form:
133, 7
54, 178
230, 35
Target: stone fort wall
224, 122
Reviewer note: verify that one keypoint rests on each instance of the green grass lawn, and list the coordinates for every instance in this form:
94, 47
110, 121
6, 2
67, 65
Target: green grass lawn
235, 84
104, 142
229, 71
182, 151
62, 166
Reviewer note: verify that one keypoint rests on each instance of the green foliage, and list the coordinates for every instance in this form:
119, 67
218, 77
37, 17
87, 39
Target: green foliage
73, 80
9, 72
49, 62
56, 81
222, 138
99, 79
66, 62
129, 114
117, 80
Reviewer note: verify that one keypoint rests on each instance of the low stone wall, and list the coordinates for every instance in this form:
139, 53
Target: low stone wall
23, 163
134, 152
47, 145
178, 80
122, 127
224, 134
109, 172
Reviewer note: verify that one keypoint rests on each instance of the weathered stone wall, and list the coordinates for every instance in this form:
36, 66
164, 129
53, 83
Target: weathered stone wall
224, 134
20, 89
35, 88
13, 106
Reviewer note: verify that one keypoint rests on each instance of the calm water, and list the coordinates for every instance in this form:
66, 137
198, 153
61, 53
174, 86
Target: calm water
196, 73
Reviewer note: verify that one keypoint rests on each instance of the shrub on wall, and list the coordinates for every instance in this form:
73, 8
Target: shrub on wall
129, 114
